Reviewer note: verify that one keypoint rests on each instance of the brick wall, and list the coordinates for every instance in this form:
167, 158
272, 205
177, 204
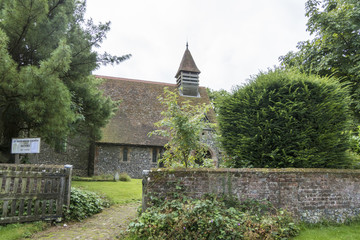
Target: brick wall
310, 194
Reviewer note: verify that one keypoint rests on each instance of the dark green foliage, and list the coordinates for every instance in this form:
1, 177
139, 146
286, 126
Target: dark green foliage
84, 204
334, 48
46, 59
210, 218
287, 119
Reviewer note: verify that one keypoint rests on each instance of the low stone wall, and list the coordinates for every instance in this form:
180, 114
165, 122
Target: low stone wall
310, 194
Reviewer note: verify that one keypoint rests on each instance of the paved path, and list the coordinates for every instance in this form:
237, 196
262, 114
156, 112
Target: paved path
103, 226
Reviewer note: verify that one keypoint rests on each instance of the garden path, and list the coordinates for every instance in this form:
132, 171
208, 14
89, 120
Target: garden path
103, 226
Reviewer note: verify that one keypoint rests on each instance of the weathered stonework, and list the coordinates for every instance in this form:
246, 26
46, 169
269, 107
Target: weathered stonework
209, 139
109, 159
76, 154
310, 194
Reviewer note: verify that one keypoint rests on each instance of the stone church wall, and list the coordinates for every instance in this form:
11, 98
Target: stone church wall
76, 154
110, 159
208, 138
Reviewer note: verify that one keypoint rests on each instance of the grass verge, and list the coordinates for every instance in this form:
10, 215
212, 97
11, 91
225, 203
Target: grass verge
117, 192
338, 232
19, 231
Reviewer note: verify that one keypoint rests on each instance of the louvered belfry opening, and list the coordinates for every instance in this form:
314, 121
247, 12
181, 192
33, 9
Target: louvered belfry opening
187, 76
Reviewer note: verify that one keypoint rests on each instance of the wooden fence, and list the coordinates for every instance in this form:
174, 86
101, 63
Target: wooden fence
33, 192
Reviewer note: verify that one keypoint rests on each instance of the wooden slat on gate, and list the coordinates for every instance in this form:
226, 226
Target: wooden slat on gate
33, 192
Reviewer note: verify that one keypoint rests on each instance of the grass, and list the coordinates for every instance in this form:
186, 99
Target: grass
340, 232
117, 192
19, 231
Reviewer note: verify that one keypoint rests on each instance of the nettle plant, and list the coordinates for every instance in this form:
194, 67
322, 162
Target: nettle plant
213, 218
183, 124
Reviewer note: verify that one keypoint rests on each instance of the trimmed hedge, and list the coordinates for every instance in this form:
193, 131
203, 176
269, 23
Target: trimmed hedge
283, 118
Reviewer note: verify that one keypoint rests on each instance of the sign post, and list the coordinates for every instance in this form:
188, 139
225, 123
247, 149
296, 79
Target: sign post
24, 145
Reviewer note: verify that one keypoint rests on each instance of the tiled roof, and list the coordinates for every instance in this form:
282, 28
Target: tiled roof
139, 110
187, 64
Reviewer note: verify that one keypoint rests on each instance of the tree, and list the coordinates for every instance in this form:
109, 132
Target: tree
287, 119
334, 50
216, 97
47, 56
183, 124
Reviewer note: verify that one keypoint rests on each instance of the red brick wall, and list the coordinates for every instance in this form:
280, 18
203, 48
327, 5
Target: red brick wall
311, 194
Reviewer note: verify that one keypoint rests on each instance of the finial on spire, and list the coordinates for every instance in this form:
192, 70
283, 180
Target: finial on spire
187, 44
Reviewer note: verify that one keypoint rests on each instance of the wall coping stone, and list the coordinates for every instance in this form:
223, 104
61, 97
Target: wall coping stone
260, 170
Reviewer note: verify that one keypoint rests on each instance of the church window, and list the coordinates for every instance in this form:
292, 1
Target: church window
125, 154
154, 155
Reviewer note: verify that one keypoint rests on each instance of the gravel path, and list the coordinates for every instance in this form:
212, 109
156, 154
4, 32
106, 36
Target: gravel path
103, 226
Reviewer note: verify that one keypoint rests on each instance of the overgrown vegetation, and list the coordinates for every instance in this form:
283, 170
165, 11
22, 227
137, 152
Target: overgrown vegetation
183, 124
84, 204
284, 118
212, 218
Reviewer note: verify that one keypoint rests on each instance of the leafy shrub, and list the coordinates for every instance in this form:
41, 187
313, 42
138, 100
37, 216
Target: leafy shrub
287, 119
124, 177
84, 204
210, 218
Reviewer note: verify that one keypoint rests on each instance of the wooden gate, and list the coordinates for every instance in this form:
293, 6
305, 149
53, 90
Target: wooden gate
33, 192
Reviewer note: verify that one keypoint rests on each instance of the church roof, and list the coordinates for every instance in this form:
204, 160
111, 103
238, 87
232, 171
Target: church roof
187, 63
139, 110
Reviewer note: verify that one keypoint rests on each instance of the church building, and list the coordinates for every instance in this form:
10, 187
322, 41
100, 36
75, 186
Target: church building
125, 145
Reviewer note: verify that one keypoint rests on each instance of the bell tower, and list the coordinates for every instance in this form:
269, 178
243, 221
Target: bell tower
187, 77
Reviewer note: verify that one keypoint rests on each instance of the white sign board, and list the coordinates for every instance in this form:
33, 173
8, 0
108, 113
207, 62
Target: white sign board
25, 145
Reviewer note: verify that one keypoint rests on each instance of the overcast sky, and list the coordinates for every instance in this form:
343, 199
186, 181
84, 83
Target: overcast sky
230, 40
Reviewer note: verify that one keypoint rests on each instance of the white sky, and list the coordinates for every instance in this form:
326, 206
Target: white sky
230, 40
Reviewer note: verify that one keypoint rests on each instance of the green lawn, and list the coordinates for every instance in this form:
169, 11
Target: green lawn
19, 231
118, 192
342, 232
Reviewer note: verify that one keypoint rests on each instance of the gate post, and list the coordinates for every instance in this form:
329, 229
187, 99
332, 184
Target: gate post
68, 170
145, 174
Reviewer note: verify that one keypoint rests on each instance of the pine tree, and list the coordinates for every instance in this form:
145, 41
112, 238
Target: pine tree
47, 56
